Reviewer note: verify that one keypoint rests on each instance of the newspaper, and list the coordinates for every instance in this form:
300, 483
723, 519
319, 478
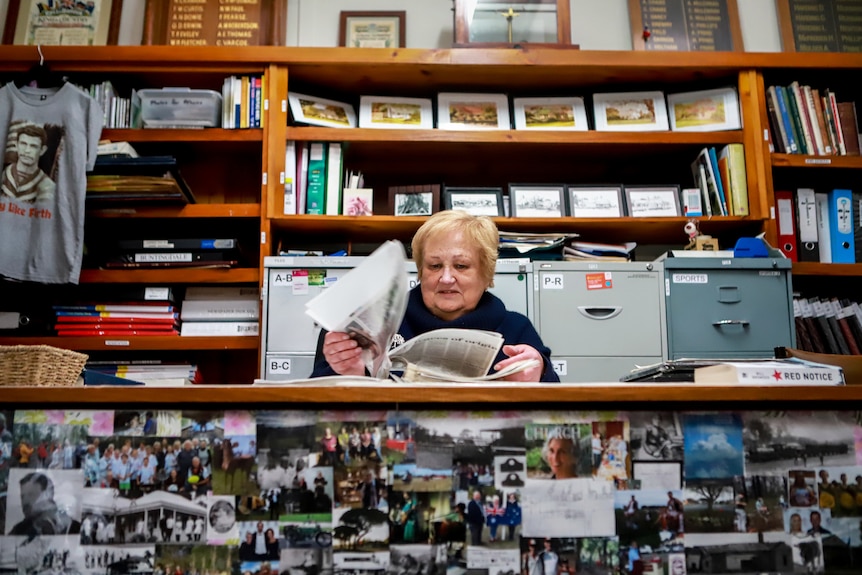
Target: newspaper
369, 304
452, 355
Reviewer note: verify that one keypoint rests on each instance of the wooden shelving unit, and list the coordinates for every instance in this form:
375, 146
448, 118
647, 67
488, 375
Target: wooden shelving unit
236, 174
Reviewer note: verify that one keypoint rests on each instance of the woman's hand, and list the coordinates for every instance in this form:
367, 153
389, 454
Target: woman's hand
518, 353
343, 354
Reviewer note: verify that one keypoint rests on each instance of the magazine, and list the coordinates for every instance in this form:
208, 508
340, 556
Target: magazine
369, 303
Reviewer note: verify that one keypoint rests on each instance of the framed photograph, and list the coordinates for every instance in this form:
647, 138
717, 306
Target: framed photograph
321, 112
537, 201
457, 111
630, 112
92, 23
372, 29
704, 110
563, 114
653, 201
357, 202
477, 201
414, 200
596, 201
396, 113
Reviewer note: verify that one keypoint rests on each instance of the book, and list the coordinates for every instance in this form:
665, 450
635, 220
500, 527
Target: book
334, 175
111, 332
172, 257
221, 292
302, 150
793, 142
315, 201
118, 314
290, 181
219, 310
799, 109
778, 135
175, 244
770, 372
849, 127
147, 308
220, 328
738, 179
716, 175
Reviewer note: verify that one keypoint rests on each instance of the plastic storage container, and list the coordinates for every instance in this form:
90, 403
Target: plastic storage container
179, 108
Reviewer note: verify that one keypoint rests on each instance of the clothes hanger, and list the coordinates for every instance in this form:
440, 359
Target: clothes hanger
40, 75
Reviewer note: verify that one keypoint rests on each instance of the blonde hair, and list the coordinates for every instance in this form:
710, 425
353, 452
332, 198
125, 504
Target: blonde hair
478, 230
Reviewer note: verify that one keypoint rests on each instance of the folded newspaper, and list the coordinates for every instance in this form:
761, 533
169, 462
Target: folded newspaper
369, 303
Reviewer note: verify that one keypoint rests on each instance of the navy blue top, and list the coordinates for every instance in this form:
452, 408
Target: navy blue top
490, 314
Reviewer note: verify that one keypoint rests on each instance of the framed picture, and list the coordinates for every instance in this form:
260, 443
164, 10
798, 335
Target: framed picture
564, 114
596, 201
256, 23
537, 201
321, 112
477, 201
472, 111
630, 112
652, 201
414, 200
357, 202
32, 22
704, 111
372, 29
396, 113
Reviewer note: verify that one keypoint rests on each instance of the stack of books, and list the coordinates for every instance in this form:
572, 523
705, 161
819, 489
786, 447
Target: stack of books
167, 253
578, 251
141, 372
130, 318
220, 311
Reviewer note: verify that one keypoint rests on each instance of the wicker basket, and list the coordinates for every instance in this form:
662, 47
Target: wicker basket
40, 365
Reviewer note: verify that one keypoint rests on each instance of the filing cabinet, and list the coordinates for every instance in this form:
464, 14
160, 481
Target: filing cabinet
289, 336
728, 307
600, 319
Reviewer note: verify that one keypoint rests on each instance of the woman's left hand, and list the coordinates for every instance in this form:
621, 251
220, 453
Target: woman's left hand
518, 353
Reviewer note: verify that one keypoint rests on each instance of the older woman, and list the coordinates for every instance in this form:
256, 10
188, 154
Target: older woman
456, 256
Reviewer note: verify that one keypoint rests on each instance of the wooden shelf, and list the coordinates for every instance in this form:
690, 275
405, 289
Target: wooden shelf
800, 161
834, 270
137, 343
172, 276
187, 211
455, 397
644, 230
510, 137
204, 135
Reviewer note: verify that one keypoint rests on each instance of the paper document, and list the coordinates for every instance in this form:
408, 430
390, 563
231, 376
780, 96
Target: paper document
452, 355
368, 302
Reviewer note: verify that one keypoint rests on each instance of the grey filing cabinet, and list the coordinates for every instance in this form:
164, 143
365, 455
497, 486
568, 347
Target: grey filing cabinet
600, 319
728, 307
289, 336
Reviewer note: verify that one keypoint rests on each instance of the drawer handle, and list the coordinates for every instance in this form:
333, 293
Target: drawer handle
599, 312
741, 322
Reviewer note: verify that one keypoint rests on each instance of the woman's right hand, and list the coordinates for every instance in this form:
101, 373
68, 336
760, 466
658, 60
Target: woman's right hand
343, 354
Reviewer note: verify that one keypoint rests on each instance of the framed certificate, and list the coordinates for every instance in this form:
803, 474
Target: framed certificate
372, 29
63, 23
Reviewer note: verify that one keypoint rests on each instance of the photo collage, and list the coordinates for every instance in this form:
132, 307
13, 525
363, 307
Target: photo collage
193, 492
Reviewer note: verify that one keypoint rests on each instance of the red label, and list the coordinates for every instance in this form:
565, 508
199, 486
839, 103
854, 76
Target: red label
602, 280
